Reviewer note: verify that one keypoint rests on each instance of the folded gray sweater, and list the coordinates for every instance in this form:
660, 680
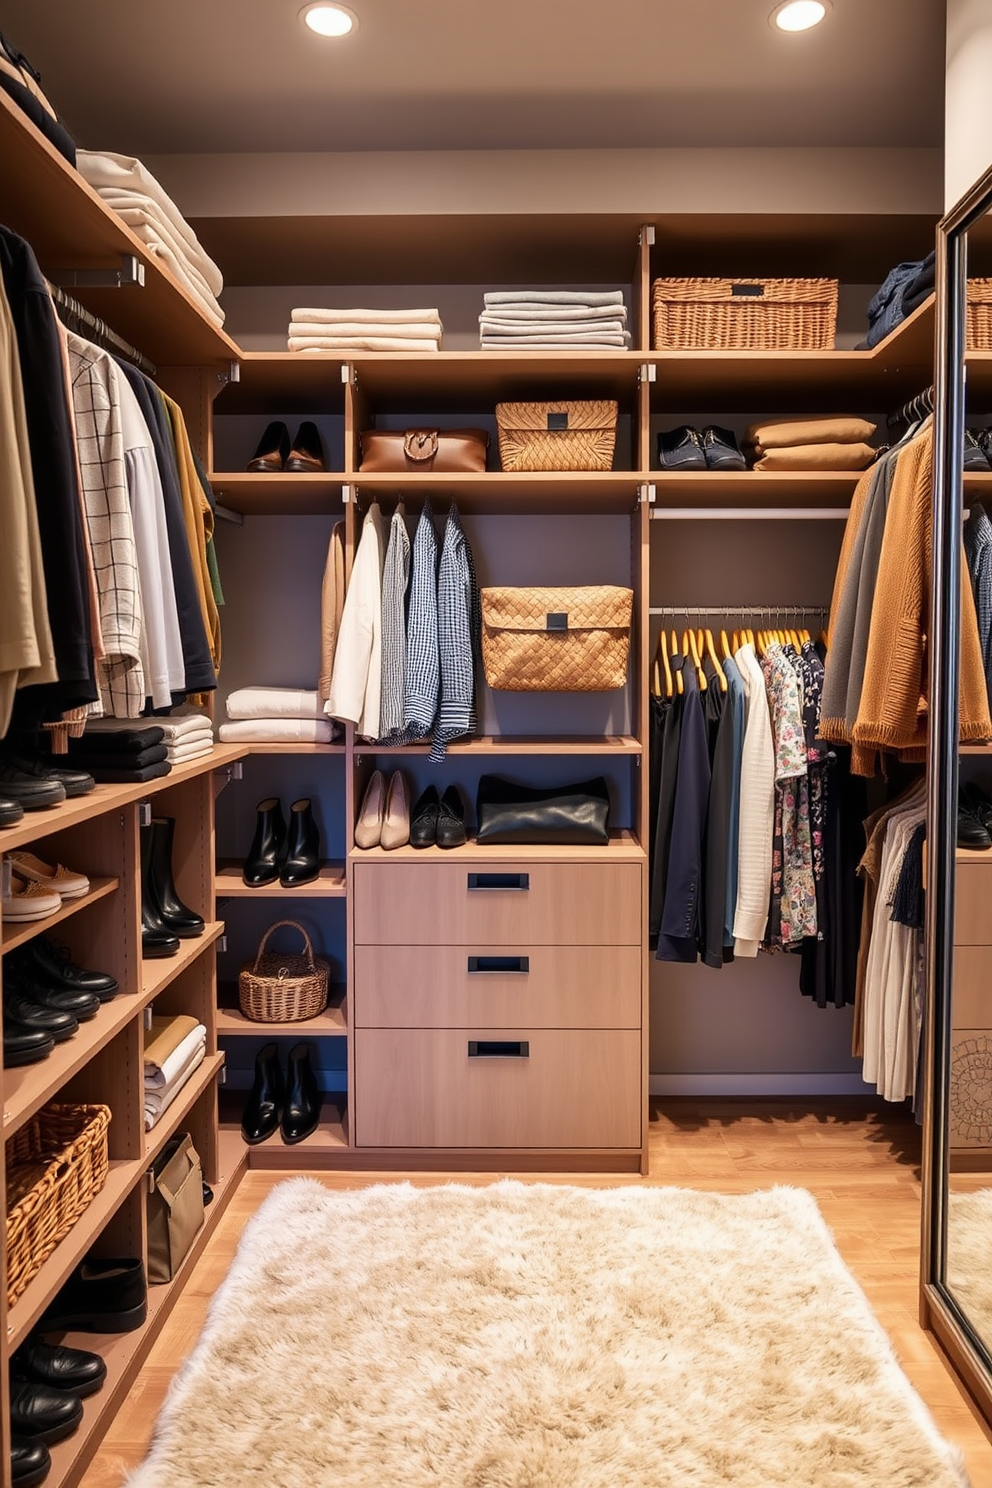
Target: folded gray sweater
553, 297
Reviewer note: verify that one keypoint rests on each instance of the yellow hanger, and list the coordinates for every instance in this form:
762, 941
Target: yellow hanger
697, 662
663, 652
711, 652
655, 679
725, 644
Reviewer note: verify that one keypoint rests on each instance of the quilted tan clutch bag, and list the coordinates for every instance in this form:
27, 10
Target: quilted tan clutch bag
556, 640
557, 436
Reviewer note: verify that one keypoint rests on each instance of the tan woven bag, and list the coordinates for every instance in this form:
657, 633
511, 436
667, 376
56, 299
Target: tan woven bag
556, 640
557, 436
278, 988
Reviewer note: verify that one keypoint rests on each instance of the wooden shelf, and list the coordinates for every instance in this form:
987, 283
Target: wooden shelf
973, 855
274, 382
753, 488
331, 1023
174, 1115
262, 747
277, 494
979, 364
158, 972
979, 749
328, 1142
519, 744
504, 492
480, 379
15, 933
978, 482
329, 885
622, 847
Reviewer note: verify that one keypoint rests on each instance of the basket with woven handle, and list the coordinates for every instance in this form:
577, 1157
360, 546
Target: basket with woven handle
283, 988
557, 436
556, 640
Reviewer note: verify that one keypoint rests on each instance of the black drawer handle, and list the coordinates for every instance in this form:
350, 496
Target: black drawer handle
499, 1048
499, 963
516, 881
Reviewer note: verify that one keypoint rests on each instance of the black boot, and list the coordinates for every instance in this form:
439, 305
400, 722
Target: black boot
156, 937
301, 1112
174, 914
264, 1104
262, 863
302, 847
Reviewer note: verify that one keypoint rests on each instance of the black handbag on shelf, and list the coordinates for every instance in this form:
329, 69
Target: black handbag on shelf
573, 815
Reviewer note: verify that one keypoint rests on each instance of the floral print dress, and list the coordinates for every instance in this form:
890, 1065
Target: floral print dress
793, 907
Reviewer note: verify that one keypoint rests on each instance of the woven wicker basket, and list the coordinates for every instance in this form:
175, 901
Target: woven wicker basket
557, 436
556, 640
740, 315
979, 331
56, 1165
277, 988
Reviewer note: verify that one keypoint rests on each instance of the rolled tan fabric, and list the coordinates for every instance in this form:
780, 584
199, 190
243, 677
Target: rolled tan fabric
777, 433
818, 457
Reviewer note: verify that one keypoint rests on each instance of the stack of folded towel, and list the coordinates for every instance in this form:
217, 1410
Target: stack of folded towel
151, 214
819, 443
118, 752
187, 736
282, 715
174, 1047
364, 330
545, 319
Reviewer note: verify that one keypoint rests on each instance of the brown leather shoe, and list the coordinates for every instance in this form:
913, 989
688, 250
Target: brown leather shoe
273, 447
307, 454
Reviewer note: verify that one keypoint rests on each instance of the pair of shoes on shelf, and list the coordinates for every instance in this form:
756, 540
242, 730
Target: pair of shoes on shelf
291, 855
384, 818
276, 452
36, 888
48, 1384
102, 1295
165, 919
439, 820
38, 1014
685, 448
35, 784
974, 819
978, 449
292, 1103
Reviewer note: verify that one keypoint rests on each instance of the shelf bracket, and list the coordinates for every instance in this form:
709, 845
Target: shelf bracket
646, 493
129, 272
349, 374
223, 777
646, 235
648, 372
233, 373
347, 495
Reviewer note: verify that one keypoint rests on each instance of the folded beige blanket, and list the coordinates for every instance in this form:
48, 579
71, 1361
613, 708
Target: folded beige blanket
366, 317
278, 730
274, 702
818, 457
777, 433
416, 329
143, 211
359, 343
181, 270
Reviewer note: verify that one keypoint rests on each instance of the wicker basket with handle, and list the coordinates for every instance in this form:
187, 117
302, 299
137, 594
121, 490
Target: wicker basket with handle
557, 436
56, 1165
283, 988
738, 315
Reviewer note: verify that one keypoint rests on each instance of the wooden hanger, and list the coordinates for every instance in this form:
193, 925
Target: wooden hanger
666, 667
690, 648
725, 645
711, 652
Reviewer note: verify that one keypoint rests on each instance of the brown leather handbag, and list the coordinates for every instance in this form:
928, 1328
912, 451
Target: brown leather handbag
435, 451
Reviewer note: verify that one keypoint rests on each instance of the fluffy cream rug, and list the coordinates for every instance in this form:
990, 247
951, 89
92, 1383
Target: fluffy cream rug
534, 1336
969, 1257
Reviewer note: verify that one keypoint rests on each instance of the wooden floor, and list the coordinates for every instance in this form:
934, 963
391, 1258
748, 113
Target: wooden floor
860, 1160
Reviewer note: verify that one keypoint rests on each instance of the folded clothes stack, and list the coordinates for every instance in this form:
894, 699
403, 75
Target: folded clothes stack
553, 319
286, 715
364, 330
174, 1047
184, 735
116, 752
819, 443
131, 190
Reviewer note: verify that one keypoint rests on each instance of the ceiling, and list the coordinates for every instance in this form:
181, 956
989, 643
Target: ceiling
140, 77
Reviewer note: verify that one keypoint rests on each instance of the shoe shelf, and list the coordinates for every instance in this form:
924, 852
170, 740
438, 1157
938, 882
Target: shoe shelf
978, 482
980, 749
16, 933
329, 884
973, 855
623, 846
506, 493
512, 744
279, 495
158, 972
979, 364
752, 488
274, 382
326, 1147
331, 1023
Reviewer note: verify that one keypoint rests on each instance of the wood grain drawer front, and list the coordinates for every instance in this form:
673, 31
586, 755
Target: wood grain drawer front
501, 986
448, 1087
512, 904
973, 903
971, 996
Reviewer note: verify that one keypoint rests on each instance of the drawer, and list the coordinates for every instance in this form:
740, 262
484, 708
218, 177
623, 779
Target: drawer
973, 902
524, 986
497, 904
969, 1117
971, 997
447, 1087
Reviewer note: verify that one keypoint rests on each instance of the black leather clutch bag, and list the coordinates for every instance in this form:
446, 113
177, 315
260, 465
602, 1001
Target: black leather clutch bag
574, 815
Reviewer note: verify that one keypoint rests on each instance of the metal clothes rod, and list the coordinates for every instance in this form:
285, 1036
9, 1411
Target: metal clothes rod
748, 612
913, 409
750, 514
99, 330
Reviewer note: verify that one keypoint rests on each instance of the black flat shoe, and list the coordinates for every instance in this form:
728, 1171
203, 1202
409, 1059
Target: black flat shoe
11, 811
81, 1005
301, 864
721, 450
101, 1296
264, 1104
49, 962
978, 804
61, 1368
971, 832
273, 447
681, 449
27, 790
40, 1412
24, 1045
301, 1113
451, 819
30, 1461
29, 1014
423, 821
73, 782
261, 866
307, 453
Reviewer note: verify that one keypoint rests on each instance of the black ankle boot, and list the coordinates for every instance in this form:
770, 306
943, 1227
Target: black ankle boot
156, 937
262, 863
174, 914
301, 1112
302, 847
264, 1105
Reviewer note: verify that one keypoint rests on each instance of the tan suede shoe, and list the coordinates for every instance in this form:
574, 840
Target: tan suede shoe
368, 828
396, 822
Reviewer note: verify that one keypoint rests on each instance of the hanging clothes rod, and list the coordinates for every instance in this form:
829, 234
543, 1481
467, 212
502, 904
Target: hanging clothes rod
913, 409
98, 330
748, 612
750, 514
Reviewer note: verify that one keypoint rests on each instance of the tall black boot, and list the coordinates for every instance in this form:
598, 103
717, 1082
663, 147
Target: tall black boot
175, 915
156, 937
262, 863
302, 863
301, 1113
264, 1104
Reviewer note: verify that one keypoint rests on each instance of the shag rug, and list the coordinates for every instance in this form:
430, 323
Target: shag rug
969, 1257
534, 1336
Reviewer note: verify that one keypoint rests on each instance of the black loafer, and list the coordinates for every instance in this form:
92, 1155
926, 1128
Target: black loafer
971, 832
681, 449
273, 447
11, 811
30, 1014
975, 454
81, 1005
73, 782
978, 804
101, 1296
23, 1045
451, 820
76, 1370
28, 791
307, 453
721, 450
30, 1461
423, 820
43, 1413
48, 961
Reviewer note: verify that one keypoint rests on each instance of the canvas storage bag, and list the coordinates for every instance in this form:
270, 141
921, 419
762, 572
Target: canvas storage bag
175, 1206
556, 640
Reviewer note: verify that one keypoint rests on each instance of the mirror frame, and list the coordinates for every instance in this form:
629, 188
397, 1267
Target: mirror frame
939, 1310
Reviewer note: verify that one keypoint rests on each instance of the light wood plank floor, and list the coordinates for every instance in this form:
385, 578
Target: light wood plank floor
860, 1161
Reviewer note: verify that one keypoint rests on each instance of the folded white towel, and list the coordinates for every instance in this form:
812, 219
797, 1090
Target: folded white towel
278, 730
274, 702
416, 330
160, 1076
178, 726
142, 211
157, 1102
109, 173
540, 329
553, 297
328, 316
196, 748
359, 343
559, 343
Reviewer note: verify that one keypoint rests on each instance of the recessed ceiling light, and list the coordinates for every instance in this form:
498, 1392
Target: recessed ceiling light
329, 20
800, 15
